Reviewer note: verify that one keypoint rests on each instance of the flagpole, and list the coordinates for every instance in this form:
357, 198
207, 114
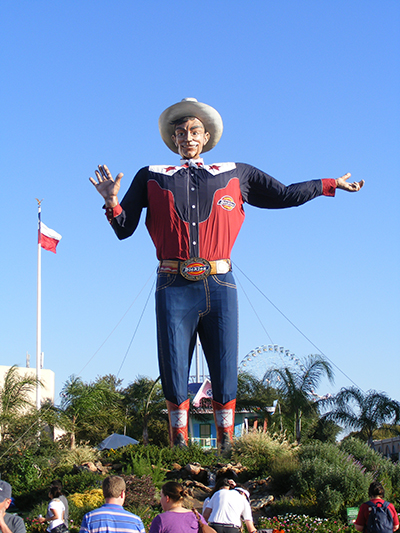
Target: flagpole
39, 308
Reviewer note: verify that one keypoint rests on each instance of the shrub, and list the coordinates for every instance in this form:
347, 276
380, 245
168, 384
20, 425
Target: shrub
81, 503
29, 476
259, 451
281, 470
81, 481
292, 505
93, 498
330, 478
360, 450
164, 457
78, 456
381, 468
141, 465
193, 453
140, 492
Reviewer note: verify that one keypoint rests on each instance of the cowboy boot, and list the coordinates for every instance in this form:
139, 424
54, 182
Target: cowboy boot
178, 423
224, 417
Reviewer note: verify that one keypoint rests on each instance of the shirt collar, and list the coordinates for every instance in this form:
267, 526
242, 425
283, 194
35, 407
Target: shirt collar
196, 163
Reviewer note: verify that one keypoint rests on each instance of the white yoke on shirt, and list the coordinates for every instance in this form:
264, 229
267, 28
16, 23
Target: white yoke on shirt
228, 507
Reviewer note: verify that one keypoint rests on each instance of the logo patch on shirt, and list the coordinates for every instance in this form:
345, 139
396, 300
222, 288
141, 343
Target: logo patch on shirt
227, 203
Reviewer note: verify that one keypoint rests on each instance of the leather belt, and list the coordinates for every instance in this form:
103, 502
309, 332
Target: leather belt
231, 526
195, 268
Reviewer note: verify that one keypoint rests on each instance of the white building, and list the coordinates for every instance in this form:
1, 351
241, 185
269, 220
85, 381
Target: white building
47, 377
388, 447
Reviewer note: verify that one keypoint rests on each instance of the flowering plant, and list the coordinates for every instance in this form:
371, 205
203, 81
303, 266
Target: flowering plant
292, 523
33, 525
92, 498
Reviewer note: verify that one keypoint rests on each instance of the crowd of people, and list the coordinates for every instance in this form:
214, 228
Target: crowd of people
223, 511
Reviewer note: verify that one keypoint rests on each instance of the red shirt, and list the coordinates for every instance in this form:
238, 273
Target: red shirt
365, 509
198, 211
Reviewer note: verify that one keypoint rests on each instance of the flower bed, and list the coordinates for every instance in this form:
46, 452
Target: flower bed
292, 523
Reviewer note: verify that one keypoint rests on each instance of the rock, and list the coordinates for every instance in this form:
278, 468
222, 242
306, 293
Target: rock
90, 466
230, 471
103, 469
177, 474
193, 469
259, 487
197, 473
260, 503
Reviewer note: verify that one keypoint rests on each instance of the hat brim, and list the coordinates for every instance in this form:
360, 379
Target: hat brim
190, 108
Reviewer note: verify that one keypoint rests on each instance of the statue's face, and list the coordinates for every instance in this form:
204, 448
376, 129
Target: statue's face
190, 138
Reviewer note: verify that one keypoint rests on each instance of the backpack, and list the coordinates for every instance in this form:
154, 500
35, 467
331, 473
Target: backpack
380, 518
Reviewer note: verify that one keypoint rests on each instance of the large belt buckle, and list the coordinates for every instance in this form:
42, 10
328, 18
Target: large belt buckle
195, 268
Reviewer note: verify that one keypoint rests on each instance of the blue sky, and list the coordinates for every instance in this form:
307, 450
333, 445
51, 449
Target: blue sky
306, 90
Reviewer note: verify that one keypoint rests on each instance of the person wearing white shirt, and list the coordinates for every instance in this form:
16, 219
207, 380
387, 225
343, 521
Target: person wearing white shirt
226, 509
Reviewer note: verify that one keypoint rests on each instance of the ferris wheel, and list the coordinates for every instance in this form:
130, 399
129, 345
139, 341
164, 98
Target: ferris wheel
265, 357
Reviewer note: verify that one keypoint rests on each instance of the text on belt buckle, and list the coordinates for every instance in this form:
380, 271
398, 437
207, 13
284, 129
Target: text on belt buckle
195, 268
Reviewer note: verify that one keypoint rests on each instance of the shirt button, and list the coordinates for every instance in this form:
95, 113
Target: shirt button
192, 189
194, 243
193, 207
193, 223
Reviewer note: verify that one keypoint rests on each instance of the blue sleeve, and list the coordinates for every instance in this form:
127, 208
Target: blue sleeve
262, 190
132, 204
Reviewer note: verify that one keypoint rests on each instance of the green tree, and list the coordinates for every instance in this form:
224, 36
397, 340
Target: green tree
146, 410
91, 411
296, 386
323, 430
363, 411
15, 398
256, 396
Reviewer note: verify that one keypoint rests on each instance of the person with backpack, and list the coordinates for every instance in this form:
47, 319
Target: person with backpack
377, 515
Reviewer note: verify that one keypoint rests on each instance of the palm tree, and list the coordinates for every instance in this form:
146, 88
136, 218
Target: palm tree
363, 411
254, 394
90, 411
145, 403
297, 385
15, 396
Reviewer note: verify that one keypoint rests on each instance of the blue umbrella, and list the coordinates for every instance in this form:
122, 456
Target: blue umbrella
115, 441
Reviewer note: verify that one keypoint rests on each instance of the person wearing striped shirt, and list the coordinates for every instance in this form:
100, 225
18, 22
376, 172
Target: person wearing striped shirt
112, 517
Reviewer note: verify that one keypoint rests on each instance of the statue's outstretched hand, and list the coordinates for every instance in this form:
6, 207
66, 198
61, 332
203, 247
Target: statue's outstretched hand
341, 183
106, 185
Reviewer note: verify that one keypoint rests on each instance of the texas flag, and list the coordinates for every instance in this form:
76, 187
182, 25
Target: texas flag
48, 238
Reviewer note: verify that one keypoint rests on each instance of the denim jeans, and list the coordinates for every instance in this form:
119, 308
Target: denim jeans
207, 307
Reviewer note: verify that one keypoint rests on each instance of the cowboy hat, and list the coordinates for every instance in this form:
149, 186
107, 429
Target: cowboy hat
190, 107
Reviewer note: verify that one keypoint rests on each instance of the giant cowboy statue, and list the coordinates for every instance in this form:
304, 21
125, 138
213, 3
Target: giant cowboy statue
194, 214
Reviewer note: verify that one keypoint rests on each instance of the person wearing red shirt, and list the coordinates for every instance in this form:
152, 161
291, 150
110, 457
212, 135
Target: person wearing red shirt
194, 214
376, 494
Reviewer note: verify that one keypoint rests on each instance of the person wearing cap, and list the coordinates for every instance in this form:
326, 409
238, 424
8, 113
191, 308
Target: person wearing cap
227, 507
194, 214
9, 523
